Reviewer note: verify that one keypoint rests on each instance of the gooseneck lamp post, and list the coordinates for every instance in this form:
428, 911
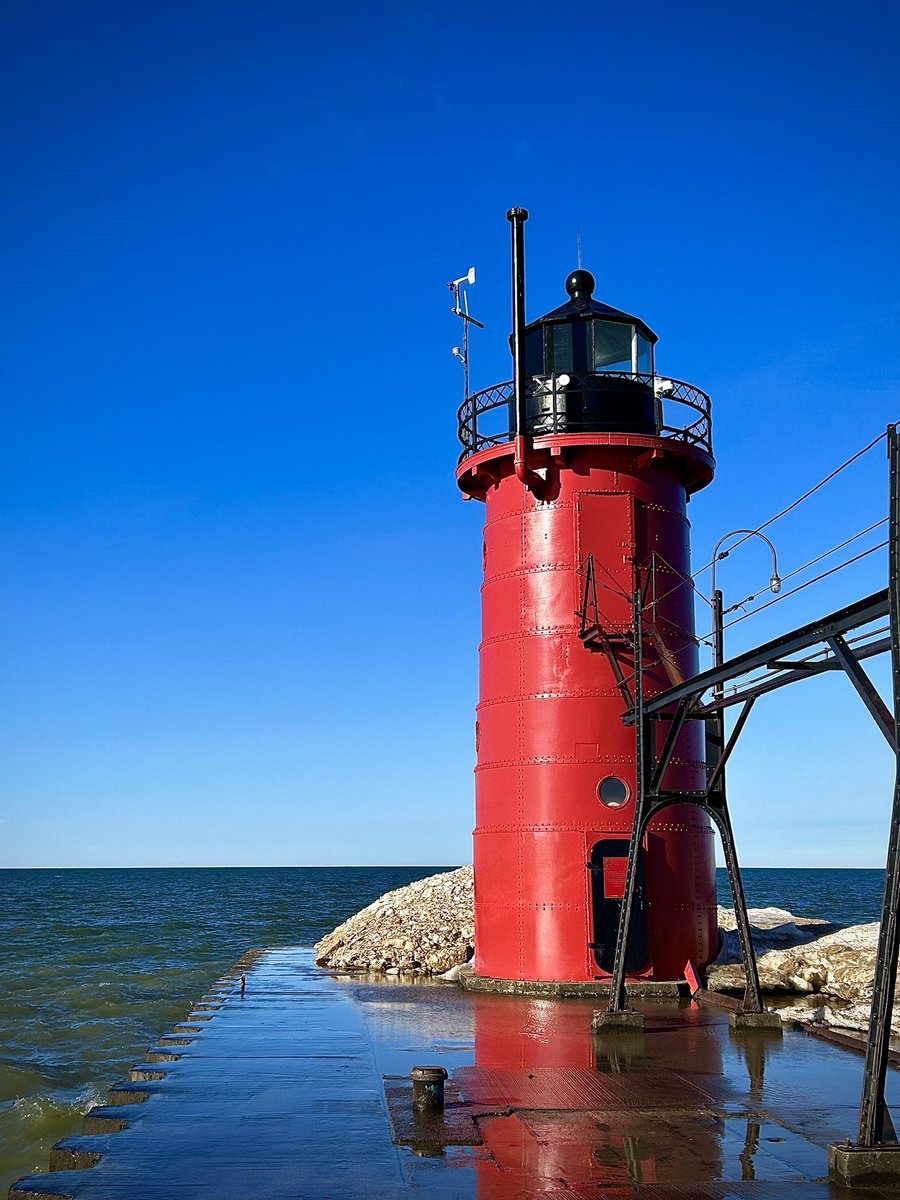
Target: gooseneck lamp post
717, 607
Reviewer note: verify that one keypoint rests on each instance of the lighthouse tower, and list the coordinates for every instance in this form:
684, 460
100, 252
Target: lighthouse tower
585, 469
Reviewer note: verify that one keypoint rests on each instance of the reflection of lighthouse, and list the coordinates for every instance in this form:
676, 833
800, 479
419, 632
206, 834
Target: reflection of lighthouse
524, 1043
576, 462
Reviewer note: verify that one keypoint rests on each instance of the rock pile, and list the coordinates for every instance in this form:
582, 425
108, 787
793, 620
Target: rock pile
427, 928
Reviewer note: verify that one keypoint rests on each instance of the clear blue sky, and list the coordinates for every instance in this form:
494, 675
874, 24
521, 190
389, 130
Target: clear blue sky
240, 591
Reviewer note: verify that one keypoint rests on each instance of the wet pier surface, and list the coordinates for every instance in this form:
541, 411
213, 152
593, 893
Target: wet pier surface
299, 1088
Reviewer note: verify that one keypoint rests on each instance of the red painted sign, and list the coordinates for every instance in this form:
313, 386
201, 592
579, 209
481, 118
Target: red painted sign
614, 870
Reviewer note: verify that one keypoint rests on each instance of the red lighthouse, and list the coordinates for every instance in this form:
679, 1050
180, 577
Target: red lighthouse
585, 471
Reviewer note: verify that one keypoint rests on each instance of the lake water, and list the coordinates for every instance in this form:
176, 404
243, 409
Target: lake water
96, 964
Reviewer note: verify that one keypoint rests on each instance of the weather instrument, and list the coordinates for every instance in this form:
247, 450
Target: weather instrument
461, 310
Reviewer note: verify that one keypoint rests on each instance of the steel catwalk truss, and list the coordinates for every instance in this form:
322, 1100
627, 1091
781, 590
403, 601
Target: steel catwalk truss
771, 665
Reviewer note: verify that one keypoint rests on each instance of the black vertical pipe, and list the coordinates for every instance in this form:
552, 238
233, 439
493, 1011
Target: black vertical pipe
517, 218
718, 639
873, 1127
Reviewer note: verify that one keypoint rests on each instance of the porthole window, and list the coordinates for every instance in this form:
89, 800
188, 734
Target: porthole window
613, 792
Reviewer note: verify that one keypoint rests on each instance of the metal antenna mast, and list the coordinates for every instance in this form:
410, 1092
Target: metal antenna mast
462, 311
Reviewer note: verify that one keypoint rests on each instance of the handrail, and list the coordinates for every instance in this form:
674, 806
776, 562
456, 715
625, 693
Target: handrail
668, 392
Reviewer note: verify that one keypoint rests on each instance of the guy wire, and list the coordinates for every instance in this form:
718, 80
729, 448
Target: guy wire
812, 562
828, 478
808, 583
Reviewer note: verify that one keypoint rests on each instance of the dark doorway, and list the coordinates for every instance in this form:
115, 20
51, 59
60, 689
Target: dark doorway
609, 860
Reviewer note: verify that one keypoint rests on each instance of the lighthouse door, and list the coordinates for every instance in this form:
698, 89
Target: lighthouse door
609, 859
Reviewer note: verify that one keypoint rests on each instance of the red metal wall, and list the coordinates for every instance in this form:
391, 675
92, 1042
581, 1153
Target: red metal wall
549, 722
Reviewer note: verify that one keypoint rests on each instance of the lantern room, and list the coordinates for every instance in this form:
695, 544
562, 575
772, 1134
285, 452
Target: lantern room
590, 367
583, 336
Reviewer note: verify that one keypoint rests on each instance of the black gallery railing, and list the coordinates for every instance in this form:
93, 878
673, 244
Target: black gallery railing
560, 404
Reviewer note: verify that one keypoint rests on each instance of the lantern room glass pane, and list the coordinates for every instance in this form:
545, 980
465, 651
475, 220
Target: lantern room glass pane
580, 353
559, 349
567, 348
612, 346
534, 352
645, 356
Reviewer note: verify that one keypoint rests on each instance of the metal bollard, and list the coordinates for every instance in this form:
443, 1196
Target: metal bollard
428, 1089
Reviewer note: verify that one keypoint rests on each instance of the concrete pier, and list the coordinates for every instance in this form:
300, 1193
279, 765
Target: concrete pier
300, 1087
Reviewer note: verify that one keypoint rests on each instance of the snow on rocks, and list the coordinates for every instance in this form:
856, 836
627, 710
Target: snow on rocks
427, 928
800, 955
772, 928
851, 1017
804, 957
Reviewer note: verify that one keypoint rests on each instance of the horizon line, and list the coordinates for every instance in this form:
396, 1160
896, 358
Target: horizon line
349, 867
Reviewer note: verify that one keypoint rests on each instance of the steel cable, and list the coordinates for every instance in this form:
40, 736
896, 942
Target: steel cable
812, 562
812, 491
777, 517
705, 638
689, 580
793, 592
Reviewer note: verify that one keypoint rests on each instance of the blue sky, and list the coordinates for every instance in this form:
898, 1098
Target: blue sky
240, 597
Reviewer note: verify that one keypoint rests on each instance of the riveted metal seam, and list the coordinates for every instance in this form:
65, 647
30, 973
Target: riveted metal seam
521, 714
575, 693
563, 759
533, 569
535, 631
531, 905
552, 827
517, 515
